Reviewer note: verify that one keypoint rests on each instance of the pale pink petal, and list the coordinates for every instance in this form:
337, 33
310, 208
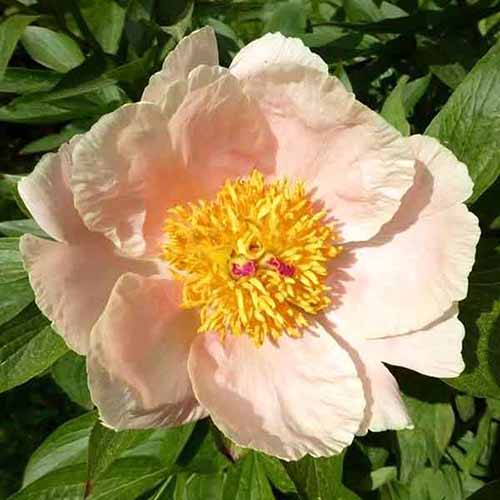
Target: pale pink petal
274, 48
47, 195
200, 47
350, 158
386, 409
220, 132
137, 361
412, 272
72, 282
125, 176
180, 90
436, 350
287, 399
446, 182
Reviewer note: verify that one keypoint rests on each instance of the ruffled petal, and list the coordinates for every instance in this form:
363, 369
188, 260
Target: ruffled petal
200, 47
287, 399
436, 350
274, 48
412, 272
72, 282
137, 362
125, 176
386, 409
351, 159
219, 132
48, 197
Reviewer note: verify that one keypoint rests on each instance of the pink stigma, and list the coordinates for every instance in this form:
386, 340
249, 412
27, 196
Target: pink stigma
283, 268
246, 269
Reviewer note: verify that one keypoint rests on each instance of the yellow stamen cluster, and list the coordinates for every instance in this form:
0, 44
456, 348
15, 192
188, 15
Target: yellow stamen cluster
253, 260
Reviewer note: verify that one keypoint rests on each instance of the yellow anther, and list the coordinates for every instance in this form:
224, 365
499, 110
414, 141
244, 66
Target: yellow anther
253, 260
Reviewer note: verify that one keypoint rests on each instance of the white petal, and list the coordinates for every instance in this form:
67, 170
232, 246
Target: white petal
274, 48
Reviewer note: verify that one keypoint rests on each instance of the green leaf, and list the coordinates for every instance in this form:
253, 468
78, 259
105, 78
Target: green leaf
70, 373
277, 474
15, 290
106, 20
414, 91
52, 49
362, 11
25, 81
469, 448
205, 486
107, 445
341, 74
288, 18
163, 444
28, 346
394, 110
247, 480
38, 113
21, 226
466, 407
67, 483
128, 478
11, 30
489, 492
317, 478
113, 453
54, 141
441, 484
201, 453
428, 404
469, 123
67, 445
480, 313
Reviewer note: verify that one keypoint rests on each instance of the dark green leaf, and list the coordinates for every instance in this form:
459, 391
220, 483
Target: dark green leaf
428, 403
277, 474
106, 20
480, 313
54, 50
289, 19
66, 446
317, 478
414, 91
107, 445
38, 113
54, 141
394, 110
489, 492
466, 407
247, 480
20, 227
67, 483
128, 478
25, 81
15, 290
28, 347
469, 123
11, 30
362, 11
202, 453
70, 373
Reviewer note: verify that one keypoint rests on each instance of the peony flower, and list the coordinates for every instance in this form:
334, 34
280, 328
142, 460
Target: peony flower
252, 244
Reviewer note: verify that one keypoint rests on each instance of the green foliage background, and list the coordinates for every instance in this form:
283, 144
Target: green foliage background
429, 66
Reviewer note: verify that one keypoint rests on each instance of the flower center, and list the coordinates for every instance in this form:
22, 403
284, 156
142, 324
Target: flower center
253, 260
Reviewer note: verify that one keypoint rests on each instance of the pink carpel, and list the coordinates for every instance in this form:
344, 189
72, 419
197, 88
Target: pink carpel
283, 268
242, 270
